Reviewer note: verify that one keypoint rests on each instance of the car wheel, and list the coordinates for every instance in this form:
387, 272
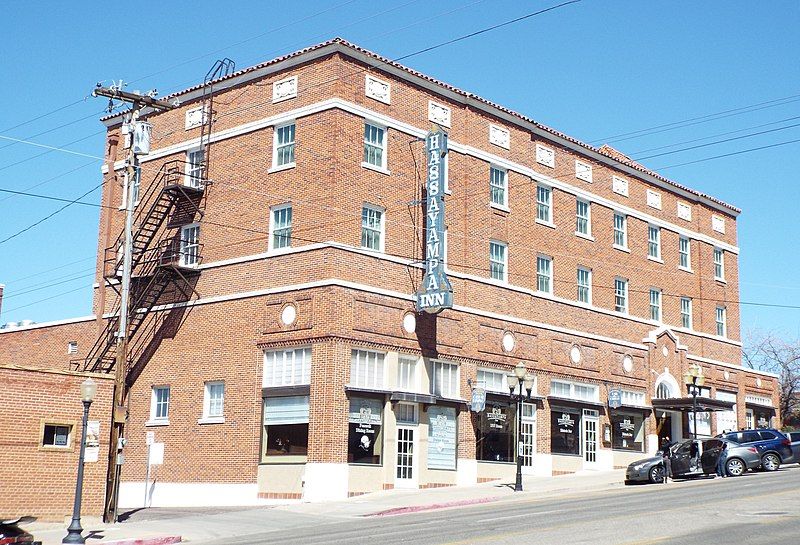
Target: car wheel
770, 462
657, 474
735, 467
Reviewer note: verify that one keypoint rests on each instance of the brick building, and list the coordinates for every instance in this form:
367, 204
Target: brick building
278, 351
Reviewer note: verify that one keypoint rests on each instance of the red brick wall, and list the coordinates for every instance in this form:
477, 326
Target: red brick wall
40, 482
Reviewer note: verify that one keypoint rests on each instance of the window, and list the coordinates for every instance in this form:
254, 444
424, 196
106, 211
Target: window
374, 146
291, 367
194, 168
445, 380
493, 380
406, 414
620, 295
283, 141
498, 260
365, 440
372, 228
686, 312
620, 231
722, 327
565, 430
495, 432
498, 186
285, 429
441, 437
684, 257
633, 398
627, 431
719, 264
366, 368
654, 242
584, 285
214, 400
572, 390
159, 404
190, 245
137, 184
543, 204
57, 435
72, 347
655, 304
280, 227
407, 374
583, 224
544, 274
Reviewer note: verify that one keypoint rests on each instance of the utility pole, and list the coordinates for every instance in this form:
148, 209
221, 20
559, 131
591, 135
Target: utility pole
138, 102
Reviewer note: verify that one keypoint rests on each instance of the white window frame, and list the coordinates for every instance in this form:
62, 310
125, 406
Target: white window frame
412, 377
273, 211
544, 206
687, 254
721, 321
719, 264
572, 387
497, 384
359, 357
654, 243
383, 168
72, 347
381, 231
194, 170
282, 367
438, 368
587, 286
190, 248
208, 417
503, 264
544, 276
587, 218
623, 230
621, 293
276, 146
154, 403
497, 174
686, 312
656, 308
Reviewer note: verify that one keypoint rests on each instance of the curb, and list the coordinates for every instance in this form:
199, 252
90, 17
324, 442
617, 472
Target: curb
430, 507
161, 540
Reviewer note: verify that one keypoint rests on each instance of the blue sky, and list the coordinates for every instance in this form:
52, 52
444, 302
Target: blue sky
592, 69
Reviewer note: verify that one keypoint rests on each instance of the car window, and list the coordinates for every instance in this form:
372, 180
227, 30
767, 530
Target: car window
794, 436
683, 448
750, 436
733, 436
767, 435
712, 443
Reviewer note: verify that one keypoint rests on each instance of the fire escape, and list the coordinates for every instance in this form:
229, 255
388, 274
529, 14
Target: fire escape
166, 251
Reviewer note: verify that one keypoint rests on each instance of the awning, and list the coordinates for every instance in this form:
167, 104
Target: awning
631, 407
412, 397
686, 404
559, 399
759, 407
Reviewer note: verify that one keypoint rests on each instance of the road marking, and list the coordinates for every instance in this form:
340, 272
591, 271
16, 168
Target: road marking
492, 519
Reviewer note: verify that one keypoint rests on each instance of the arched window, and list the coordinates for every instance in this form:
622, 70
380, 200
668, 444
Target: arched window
663, 391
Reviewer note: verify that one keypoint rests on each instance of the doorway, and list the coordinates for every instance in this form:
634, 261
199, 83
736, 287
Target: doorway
590, 422
407, 424
528, 437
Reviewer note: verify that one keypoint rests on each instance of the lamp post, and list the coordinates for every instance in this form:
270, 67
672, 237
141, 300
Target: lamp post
520, 377
694, 380
88, 391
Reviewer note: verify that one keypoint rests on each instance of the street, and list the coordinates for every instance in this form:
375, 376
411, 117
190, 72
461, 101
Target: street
756, 508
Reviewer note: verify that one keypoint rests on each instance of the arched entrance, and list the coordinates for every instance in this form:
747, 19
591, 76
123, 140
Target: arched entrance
668, 423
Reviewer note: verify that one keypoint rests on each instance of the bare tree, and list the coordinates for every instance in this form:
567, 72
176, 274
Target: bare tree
770, 352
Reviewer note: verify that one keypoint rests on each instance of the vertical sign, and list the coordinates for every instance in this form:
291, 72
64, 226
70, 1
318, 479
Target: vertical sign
436, 293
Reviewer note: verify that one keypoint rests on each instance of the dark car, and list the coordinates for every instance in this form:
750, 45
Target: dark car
794, 437
773, 446
687, 460
11, 533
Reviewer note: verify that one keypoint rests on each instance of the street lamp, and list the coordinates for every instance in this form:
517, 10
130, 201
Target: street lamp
694, 380
88, 391
520, 377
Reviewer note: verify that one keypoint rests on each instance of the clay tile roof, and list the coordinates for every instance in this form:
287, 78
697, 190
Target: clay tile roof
605, 150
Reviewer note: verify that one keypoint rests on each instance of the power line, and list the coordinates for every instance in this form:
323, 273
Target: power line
29, 276
749, 150
43, 115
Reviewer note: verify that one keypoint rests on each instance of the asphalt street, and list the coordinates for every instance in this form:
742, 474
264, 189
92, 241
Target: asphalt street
755, 508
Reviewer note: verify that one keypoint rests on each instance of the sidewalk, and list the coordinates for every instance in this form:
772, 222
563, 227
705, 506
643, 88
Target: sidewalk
160, 526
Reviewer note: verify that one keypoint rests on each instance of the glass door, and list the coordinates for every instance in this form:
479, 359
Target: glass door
590, 420
407, 420
528, 436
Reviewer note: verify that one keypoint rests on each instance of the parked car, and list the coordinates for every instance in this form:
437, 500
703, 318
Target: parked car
689, 461
773, 446
794, 437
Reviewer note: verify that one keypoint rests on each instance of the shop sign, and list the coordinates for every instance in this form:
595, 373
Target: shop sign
497, 417
436, 293
442, 438
626, 428
566, 424
615, 398
478, 403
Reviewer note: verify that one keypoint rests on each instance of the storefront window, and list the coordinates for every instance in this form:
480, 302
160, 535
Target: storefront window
627, 431
703, 423
365, 440
495, 433
286, 428
565, 431
441, 437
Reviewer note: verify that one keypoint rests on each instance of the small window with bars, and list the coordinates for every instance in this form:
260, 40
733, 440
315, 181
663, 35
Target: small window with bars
498, 186
584, 285
284, 146
686, 312
684, 257
544, 274
374, 145
722, 318
159, 406
194, 168
719, 264
544, 197
281, 227
372, 228
498, 260
620, 295
620, 231
655, 304
583, 225
654, 242
214, 399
